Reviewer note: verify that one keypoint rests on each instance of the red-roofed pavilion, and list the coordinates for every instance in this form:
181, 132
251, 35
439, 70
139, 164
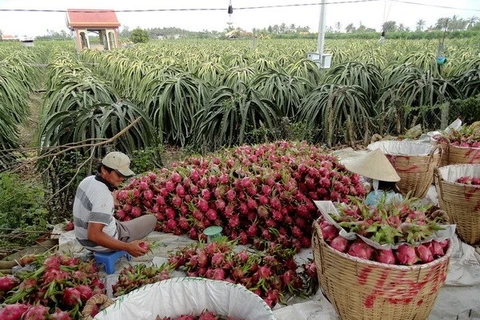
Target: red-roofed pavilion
103, 22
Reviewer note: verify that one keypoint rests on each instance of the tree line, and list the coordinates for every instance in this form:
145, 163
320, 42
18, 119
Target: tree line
455, 27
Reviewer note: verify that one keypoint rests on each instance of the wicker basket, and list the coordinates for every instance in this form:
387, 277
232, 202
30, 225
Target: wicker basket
99, 301
363, 289
461, 202
414, 163
462, 155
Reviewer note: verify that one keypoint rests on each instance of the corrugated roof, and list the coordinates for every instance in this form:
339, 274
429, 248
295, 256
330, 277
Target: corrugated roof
92, 18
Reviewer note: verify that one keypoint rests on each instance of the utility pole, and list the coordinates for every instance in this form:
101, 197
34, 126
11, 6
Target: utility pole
321, 28
321, 59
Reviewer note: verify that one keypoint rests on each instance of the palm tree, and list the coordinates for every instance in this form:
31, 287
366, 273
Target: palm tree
420, 25
472, 22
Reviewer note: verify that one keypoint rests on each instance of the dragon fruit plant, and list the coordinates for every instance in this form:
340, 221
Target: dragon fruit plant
406, 225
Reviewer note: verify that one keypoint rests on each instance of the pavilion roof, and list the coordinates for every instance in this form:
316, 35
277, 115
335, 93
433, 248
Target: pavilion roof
92, 18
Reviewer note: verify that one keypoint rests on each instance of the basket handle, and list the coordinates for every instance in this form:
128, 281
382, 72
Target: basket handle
436, 179
98, 299
431, 154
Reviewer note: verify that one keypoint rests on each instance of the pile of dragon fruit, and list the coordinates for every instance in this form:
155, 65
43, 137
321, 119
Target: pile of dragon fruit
406, 226
475, 181
253, 192
206, 315
273, 274
467, 136
134, 277
57, 287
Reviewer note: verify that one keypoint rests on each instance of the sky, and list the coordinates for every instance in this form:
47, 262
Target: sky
371, 13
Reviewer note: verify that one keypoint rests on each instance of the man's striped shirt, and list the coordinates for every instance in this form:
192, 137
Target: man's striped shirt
93, 203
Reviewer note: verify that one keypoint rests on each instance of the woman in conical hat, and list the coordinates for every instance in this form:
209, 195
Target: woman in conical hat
375, 166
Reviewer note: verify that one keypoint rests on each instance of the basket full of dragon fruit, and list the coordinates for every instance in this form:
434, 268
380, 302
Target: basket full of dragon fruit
458, 189
189, 298
462, 146
414, 163
381, 262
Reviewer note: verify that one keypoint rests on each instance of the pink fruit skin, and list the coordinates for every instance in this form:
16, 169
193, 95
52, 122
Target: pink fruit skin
386, 256
406, 255
36, 312
436, 249
424, 253
8, 282
329, 232
361, 250
13, 311
339, 243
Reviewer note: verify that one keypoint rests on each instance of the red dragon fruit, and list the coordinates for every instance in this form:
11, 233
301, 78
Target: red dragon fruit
361, 250
60, 315
339, 243
13, 311
8, 282
329, 232
424, 253
36, 312
385, 256
406, 255
71, 296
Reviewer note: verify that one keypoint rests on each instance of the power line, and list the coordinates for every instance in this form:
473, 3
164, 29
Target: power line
236, 8
188, 9
434, 5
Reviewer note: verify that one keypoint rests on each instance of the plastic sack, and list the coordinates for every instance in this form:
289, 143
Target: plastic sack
187, 295
452, 173
403, 148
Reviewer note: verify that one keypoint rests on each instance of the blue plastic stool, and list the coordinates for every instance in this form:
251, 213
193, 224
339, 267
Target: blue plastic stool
108, 259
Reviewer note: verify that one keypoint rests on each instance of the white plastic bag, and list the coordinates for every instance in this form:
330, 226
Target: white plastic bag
327, 208
178, 296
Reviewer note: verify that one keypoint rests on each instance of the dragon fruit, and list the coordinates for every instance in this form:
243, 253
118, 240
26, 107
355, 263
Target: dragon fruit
385, 256
361, 250
339, 243
406, 255
424, 253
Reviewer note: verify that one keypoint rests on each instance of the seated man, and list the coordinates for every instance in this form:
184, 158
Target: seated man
95, 226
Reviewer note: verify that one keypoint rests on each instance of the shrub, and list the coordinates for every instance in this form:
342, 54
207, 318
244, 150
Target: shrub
466, 109
22, 210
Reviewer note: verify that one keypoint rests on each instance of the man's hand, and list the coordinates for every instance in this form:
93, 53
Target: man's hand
136, 249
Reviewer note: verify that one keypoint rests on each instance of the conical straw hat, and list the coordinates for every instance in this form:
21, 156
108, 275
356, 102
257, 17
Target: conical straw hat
373, 165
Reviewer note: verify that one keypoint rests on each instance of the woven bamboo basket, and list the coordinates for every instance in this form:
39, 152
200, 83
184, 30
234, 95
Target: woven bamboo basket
462, 155
461, 202
414, 163
97, 302
368, 290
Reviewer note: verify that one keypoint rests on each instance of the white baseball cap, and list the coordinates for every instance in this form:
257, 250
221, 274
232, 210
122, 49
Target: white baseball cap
119, 162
